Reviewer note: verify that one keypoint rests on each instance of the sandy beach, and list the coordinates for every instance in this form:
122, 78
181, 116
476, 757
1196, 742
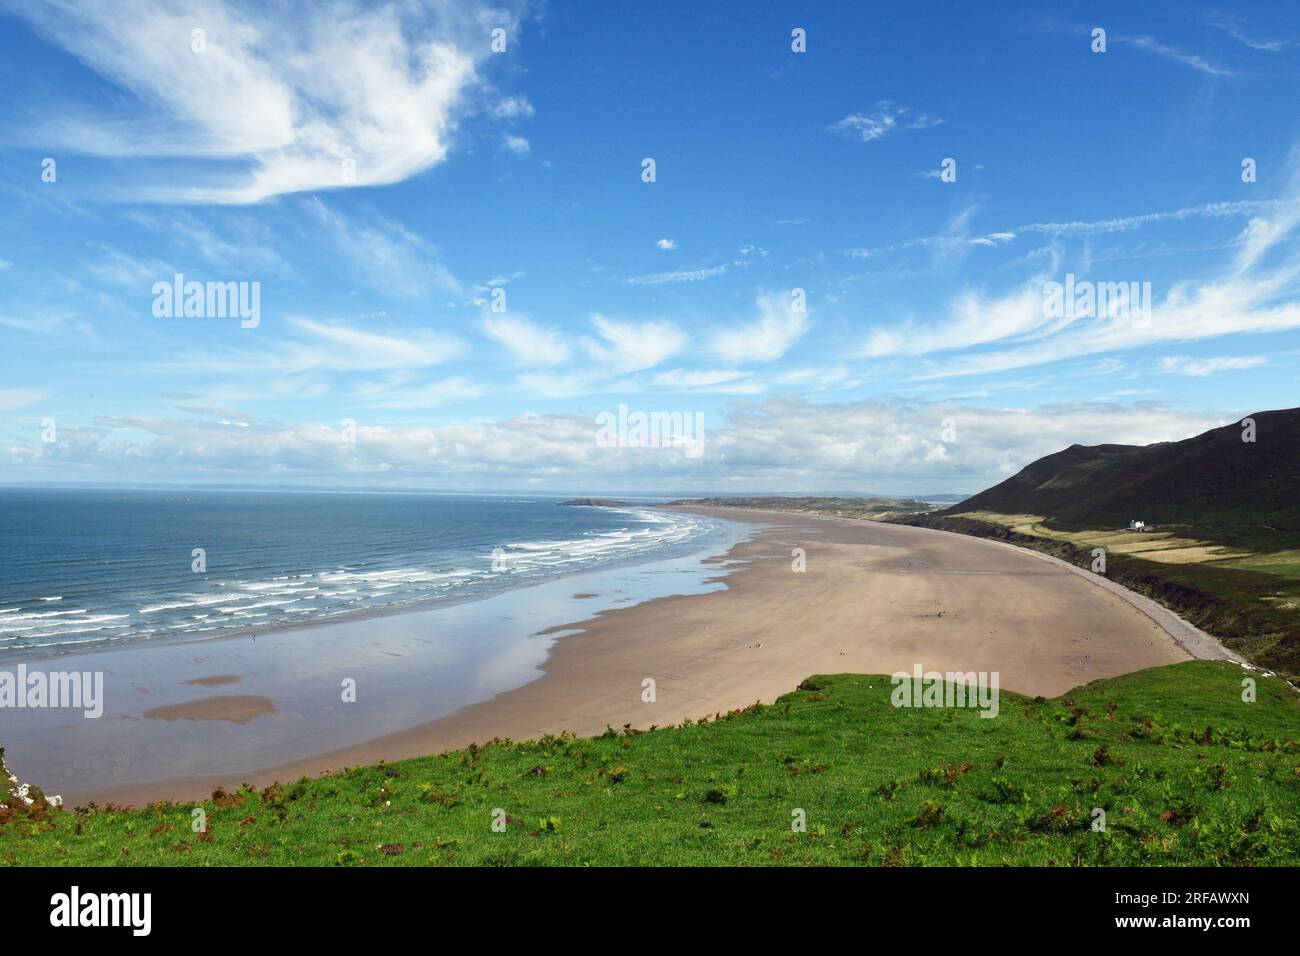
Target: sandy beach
873, 598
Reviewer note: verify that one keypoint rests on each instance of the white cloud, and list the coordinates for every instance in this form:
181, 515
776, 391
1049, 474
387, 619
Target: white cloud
1152, 45
567, 384
666, 244
944, 247
456, 388
766, 339
517, 145
633, 346
527, 342
121, 268
702, 379
1232, 27
781, 444
286, 95
886, 118
1255, 292
513, 107
972, 319
668, 278
347, 347
502, 280
44, 323
384, 254
14, 398
328, 347
241, 244
1181, 365
1214, 210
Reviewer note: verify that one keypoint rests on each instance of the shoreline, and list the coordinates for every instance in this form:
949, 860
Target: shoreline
228, 707
359, 615
875, 598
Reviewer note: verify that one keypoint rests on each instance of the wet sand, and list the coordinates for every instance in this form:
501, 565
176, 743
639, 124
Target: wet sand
873, 598
235, 708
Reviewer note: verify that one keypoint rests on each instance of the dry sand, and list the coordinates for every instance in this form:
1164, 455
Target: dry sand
874, 598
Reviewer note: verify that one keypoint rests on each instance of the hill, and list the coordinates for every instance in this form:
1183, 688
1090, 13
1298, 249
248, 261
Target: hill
1215, 483
1186, 772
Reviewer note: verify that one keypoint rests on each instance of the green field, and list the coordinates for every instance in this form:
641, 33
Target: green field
1185, 770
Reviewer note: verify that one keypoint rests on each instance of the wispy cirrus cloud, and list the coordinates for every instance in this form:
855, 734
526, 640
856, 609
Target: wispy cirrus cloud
269, 100
714, 380
1233, 26
1213, 210
950, 247
383, 253
118, 267
1254, 291
457, 388
1157, 48
972, 320
1182, 365
12, 399
43, 322
1080, 227
669, 278
333, 346
778, 326
633, 346
527, 342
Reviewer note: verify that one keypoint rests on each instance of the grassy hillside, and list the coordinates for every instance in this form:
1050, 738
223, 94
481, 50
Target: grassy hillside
1186, 771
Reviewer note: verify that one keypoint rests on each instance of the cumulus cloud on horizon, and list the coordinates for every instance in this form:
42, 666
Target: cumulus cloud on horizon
782, 443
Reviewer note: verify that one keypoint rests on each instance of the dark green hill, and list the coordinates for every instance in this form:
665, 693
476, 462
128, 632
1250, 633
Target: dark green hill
1213, 482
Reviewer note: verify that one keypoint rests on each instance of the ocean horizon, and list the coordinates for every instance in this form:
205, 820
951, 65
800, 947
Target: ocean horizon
101, 568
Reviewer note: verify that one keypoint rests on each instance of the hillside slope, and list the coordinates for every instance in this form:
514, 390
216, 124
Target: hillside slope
1212, 482
1185, 771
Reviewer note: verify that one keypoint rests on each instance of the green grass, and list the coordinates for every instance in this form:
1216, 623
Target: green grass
1186, 771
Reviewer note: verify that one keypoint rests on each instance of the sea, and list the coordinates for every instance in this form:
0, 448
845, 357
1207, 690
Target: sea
85, 569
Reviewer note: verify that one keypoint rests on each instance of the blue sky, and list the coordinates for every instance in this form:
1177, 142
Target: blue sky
378, 170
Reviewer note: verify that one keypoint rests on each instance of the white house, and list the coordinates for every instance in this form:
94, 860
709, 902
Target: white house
1137, 525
